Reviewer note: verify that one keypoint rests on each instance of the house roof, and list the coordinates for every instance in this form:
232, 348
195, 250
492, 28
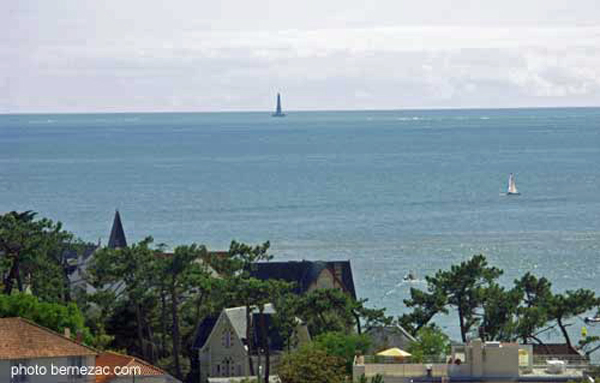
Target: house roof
303, 273
393, 329
555, 349
204, 330
85, 250
208, 268
117, 234
72, 253
237, 319
23, 339
112, 359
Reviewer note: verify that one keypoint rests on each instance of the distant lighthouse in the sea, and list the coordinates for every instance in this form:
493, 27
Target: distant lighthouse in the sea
278, 112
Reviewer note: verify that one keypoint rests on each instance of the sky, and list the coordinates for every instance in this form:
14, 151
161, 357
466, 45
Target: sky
235, 55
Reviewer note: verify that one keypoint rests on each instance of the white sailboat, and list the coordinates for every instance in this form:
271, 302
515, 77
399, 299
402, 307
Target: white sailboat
512, 185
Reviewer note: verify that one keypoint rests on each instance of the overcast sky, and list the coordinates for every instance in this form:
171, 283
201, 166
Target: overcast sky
226, 55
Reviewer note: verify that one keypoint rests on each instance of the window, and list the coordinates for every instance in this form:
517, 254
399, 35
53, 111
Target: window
523, 358
22, 376
226, 338
228, 367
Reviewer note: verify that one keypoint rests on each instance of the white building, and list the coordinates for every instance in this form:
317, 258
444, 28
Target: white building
223, 348
478, 361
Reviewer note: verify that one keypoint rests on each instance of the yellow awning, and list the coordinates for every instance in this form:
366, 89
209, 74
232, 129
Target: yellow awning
394, 352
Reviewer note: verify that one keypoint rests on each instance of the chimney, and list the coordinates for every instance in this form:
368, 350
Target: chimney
67, 333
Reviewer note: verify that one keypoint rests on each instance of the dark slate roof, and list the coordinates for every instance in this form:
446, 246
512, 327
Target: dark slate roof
204, 330
117, 234
303, 273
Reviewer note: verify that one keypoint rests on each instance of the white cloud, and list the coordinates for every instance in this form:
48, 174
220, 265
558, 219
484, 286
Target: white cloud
341, 67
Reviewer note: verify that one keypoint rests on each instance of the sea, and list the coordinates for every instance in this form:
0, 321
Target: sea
394, 192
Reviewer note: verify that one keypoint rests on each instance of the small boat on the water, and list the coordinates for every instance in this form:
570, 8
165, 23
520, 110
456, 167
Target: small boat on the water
512, 185
409, 277
278, 112
592, 320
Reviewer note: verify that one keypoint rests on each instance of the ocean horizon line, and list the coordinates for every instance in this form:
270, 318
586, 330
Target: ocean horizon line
301, 111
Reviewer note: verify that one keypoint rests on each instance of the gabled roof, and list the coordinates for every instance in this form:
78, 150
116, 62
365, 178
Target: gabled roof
23, 339
236, 317
204, 330
117, 234
112, 359
392, 329
304, 273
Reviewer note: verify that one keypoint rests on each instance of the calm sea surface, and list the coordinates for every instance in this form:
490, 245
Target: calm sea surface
393, 192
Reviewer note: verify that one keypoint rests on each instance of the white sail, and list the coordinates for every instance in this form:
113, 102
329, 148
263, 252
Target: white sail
512, 186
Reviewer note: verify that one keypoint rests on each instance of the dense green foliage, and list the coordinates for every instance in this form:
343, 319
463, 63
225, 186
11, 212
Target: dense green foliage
149, 302
311, 364
163, 295
431, 343
343, 345
462, 287
32, 256
332, 310
54, 316
492, 312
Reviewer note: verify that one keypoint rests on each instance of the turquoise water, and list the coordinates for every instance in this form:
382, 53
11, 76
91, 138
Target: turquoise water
393, 191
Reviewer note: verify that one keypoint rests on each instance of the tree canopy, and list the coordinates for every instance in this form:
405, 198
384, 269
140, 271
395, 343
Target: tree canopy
310, 364
54, 316
343, 345
150, 302
493, 312
32, 256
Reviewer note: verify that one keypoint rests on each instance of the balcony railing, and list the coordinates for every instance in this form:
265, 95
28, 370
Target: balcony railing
377, 359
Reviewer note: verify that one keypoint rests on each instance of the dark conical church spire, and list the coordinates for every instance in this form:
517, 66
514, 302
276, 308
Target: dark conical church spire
117, 234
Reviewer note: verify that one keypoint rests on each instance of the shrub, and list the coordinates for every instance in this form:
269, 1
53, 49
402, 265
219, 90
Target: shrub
311, 364
344, 346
